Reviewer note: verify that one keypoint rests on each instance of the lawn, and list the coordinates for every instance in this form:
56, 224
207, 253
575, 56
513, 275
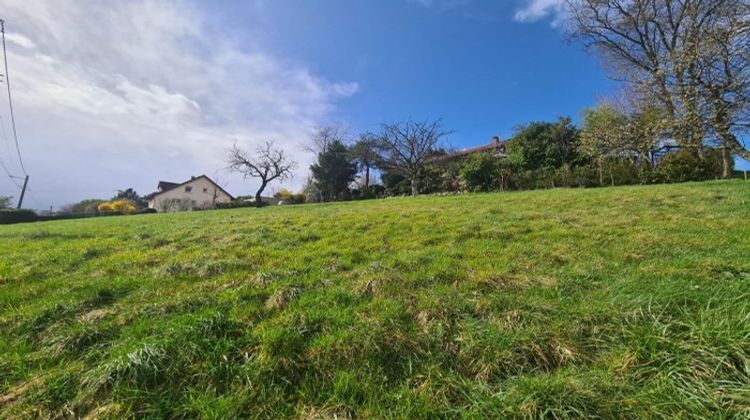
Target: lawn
616, 302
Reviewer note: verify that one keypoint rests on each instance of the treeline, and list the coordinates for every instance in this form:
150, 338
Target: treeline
610, 148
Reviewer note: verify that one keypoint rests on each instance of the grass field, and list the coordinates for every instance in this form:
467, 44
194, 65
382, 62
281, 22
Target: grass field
617, 302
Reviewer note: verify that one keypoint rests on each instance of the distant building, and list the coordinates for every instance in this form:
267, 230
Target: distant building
496, 147
199, 193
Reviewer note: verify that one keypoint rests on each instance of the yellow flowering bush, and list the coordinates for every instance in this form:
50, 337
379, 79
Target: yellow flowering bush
117, 206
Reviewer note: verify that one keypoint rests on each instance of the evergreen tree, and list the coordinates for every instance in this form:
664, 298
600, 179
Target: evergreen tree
333, 172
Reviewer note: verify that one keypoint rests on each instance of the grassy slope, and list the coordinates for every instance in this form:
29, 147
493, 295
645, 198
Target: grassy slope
613, 302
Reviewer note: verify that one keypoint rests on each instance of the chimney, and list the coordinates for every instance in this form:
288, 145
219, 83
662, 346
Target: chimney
495, 139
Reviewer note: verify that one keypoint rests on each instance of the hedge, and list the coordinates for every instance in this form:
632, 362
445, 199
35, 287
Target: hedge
10, 216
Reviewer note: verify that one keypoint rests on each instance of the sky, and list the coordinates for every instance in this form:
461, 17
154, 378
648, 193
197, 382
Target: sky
111, 95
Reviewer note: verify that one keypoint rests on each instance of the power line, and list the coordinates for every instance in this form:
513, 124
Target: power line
10, 99
11, 177
5, 136
5, 168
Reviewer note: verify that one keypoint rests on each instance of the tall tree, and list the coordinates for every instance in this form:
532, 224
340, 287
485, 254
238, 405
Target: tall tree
365, 154
692, 56
131, 195
406, 147
5, 201
544, 144
333, 172
268, 164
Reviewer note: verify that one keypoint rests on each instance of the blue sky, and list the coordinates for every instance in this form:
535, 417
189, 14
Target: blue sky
469, 62
117, 94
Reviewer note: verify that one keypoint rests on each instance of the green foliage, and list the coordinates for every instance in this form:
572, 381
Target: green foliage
132, 196
626, 302
544, 145
88, 206
604, 131
333, 172
10, 216
289, 197
6, 202
688, 165
240, 202
365, 154
481, 172
430, 180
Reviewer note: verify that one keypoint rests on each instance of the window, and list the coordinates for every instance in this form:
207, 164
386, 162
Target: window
205, 190
188, 189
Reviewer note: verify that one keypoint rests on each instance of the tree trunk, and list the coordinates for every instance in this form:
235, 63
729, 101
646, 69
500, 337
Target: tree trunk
725, 162
414, 187
367, 178
258, 199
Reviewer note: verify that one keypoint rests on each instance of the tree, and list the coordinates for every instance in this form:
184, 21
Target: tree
268, 164
131, 195
333, 172
406, 147
544, 145
604, 135
691, 56
324, 136
87, 206
6, 201
365, 154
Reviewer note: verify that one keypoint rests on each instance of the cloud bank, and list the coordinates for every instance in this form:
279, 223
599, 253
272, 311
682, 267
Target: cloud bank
111, 95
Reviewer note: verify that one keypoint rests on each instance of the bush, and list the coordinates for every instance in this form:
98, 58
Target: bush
240, 203
481, 172
10, 216
686, 165
117, 206
88, 206
289, 197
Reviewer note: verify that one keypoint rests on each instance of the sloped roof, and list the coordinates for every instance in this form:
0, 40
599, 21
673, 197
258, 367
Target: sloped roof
167, 186
495, 144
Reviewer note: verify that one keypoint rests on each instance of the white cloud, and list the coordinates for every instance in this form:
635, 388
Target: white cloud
110, 95
20, 40
534, 10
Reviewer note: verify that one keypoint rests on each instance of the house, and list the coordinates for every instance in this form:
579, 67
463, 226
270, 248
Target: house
496, 147
198, 193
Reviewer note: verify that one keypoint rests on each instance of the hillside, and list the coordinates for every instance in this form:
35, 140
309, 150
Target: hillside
618, 302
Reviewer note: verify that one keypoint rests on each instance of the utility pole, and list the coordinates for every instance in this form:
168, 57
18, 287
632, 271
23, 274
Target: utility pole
23, 191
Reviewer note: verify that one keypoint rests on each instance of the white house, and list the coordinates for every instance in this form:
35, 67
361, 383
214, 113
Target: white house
200, 192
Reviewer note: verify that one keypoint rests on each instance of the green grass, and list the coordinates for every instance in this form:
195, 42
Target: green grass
619, 302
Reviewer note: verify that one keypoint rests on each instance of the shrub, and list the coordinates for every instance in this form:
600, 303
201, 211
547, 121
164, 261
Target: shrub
289, 197
10, 216
687, 165
480, 172
88, 206
117, 206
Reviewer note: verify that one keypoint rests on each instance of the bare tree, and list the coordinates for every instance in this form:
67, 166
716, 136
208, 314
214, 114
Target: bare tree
692, 56
268, 164
407, 146
324, 136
